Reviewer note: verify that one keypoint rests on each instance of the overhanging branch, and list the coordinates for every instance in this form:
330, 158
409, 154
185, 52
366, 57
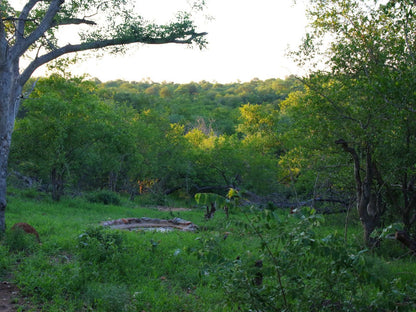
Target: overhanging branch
74, 21
93, 45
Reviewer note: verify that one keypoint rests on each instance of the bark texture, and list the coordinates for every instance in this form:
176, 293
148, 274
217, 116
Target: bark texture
404, 238
369, 203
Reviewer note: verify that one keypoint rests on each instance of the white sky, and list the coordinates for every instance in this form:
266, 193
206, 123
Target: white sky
246, 39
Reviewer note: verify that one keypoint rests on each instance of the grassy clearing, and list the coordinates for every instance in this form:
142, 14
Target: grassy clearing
229, 265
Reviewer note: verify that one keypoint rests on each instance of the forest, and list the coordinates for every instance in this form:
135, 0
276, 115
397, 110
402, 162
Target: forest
343, 133
74, 135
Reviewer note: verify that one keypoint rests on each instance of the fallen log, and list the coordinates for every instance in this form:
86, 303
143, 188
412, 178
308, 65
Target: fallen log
404, 238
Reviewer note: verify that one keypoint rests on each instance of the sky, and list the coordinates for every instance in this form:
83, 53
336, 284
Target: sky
247, 39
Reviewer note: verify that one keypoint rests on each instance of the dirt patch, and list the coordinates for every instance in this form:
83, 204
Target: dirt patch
9, 297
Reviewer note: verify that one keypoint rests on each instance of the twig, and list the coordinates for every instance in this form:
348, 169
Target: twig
275, 262
346, 223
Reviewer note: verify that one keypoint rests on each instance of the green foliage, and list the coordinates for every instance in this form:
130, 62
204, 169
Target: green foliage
269, 137
121, 136
104, 197
369, 69
83, 266
6, 261
317, 273
62, 118
206, 199
99, 245
18, 240
107, 297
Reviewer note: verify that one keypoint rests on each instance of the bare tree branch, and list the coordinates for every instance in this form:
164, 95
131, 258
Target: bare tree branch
74, 21
3, 43
20, 29
20, 47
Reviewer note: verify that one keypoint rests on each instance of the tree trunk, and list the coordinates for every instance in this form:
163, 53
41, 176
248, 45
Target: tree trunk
57, 184
368, 201
10, 92
404, 238
4, 154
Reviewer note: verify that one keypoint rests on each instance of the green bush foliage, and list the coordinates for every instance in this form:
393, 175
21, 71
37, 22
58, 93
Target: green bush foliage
98, 245
104, 197
318, 273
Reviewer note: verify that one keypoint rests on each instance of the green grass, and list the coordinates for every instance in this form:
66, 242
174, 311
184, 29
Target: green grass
81, 267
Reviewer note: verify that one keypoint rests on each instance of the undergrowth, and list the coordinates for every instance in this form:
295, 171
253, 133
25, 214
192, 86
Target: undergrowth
252, 260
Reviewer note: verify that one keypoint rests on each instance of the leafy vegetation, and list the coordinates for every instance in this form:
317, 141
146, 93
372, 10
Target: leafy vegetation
230, 264
31, 30
360, 103
276, 167
121, 136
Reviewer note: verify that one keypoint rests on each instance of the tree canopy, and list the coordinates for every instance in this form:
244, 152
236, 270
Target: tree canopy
361, 101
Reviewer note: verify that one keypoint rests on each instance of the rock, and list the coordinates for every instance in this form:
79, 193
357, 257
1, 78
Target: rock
151, 223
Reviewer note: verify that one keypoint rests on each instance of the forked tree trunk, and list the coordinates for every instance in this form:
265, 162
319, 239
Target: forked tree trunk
368, 202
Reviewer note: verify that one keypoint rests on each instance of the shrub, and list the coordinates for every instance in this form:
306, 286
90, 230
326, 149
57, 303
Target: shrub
104, 197
107, 297
318, 273
5, 261
97, 244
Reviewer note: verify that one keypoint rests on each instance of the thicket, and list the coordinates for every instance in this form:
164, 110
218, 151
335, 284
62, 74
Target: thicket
74, 135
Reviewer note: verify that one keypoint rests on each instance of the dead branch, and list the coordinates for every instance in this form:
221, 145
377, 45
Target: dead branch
404, 238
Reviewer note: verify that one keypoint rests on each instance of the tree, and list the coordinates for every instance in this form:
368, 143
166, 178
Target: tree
258, 125
63, 121
35, 29
364, 95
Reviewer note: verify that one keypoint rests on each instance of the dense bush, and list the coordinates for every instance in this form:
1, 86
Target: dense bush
104, 197
298, 269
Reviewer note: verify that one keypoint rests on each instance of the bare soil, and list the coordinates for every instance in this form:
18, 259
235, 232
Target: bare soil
9, 297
